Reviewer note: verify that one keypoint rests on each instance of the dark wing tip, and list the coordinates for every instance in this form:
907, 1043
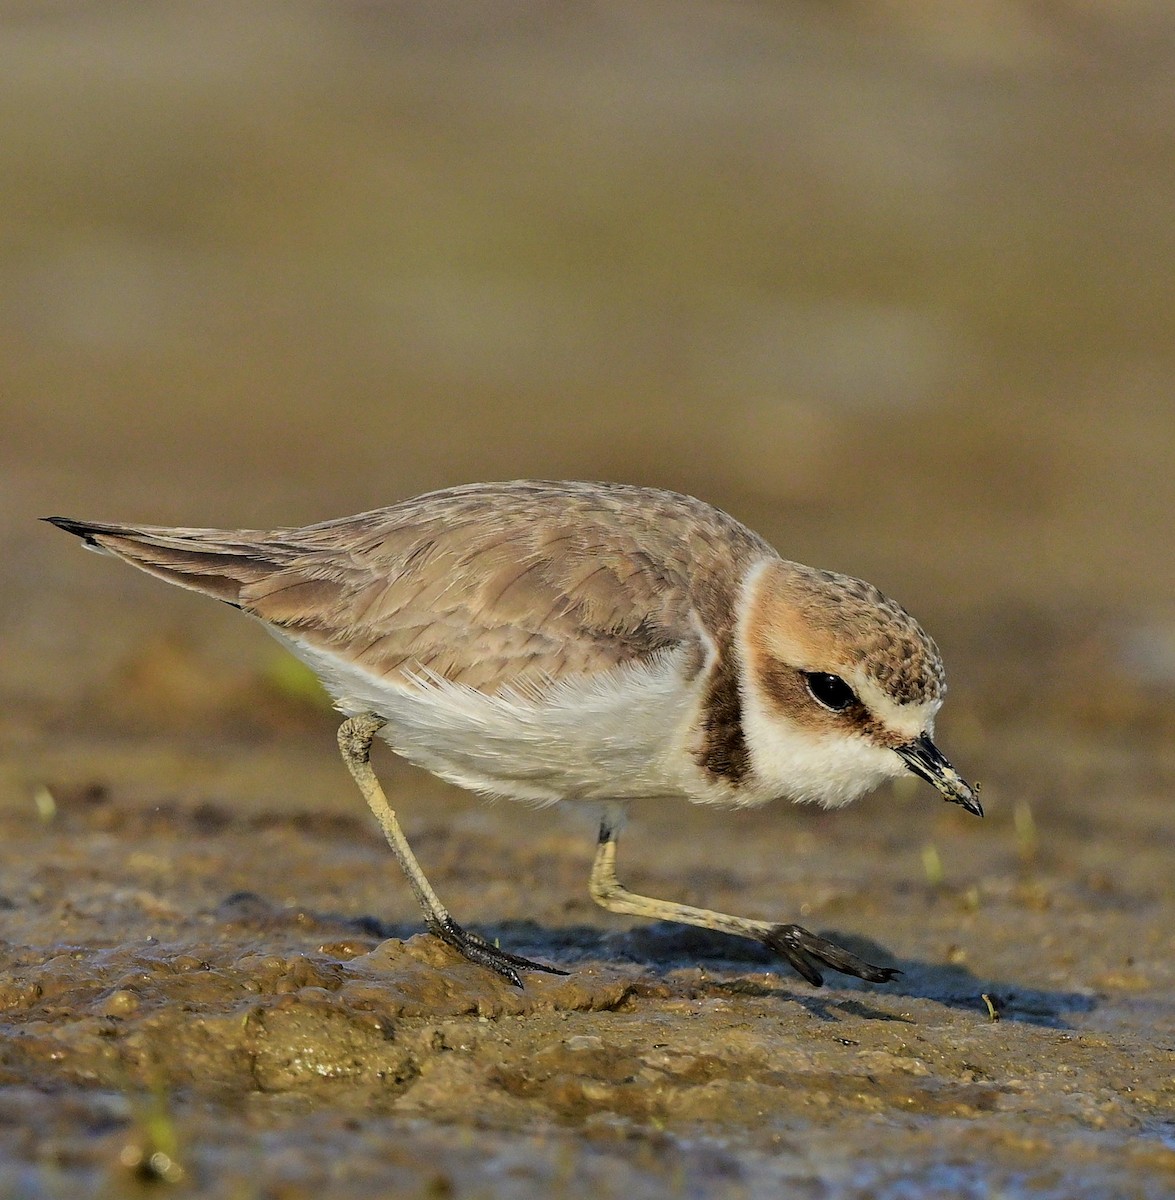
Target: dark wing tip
88, 531
82, 529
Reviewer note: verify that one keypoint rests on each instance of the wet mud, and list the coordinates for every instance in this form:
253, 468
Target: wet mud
252, 982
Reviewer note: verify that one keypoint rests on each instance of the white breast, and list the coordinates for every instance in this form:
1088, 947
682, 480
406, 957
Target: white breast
618, 735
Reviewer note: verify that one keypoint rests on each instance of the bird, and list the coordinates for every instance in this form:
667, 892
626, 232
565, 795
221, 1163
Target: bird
586, 642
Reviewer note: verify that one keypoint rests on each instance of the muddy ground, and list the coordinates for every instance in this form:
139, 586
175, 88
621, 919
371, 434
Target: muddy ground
890, 283
195, 951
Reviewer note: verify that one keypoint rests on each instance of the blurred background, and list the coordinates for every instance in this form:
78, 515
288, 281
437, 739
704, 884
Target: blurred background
890, 281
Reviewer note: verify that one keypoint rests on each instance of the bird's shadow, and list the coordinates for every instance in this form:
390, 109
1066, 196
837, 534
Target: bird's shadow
662, 948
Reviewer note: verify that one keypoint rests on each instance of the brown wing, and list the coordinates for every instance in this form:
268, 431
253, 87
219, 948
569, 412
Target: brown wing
488, 585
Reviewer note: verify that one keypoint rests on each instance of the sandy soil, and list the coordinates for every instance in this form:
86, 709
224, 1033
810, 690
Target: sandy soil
896, 291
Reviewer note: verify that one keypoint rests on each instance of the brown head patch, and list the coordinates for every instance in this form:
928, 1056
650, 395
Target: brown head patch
819, 620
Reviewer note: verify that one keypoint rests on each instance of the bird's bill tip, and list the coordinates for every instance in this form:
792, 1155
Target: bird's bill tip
926, 761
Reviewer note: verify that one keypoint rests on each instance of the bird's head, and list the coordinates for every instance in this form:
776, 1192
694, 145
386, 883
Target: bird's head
840, 688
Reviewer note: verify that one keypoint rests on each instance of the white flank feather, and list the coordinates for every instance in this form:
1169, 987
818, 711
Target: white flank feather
615, 735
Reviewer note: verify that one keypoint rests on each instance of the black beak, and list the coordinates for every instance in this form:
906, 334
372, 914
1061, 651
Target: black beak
925, 759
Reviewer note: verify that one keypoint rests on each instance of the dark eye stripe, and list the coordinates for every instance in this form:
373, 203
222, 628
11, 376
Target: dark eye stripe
830, 690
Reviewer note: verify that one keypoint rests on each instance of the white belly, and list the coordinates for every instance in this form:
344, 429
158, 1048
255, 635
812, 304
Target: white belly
620, 735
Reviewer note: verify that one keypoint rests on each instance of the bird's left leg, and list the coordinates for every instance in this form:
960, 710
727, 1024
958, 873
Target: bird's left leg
802, 949
355, 738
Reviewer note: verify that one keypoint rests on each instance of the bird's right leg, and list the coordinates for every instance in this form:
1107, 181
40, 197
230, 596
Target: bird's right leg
802, 949
355, 738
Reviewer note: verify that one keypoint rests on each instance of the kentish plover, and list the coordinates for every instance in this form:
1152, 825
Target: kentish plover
587, 642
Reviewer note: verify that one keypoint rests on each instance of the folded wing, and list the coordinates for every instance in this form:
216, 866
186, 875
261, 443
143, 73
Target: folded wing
491, 586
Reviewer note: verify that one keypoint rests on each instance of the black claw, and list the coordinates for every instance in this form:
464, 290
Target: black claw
477, 950
799, 947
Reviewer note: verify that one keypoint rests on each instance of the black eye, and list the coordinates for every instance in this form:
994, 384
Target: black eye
830, 690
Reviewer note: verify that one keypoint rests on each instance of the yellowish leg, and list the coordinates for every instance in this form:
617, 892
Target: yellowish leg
796, 944
355, 738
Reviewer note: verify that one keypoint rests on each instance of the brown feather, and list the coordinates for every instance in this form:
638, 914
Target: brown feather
490, 585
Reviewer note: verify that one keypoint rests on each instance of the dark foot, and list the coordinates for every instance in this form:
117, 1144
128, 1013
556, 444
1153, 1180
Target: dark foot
479, 951
800, 947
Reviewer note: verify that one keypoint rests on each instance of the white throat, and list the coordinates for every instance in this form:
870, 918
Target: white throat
829, 769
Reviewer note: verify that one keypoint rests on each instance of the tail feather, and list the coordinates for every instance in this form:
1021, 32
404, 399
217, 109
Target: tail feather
211, 561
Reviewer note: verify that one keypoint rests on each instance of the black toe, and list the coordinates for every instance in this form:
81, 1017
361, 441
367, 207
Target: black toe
477, 950
800, 947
